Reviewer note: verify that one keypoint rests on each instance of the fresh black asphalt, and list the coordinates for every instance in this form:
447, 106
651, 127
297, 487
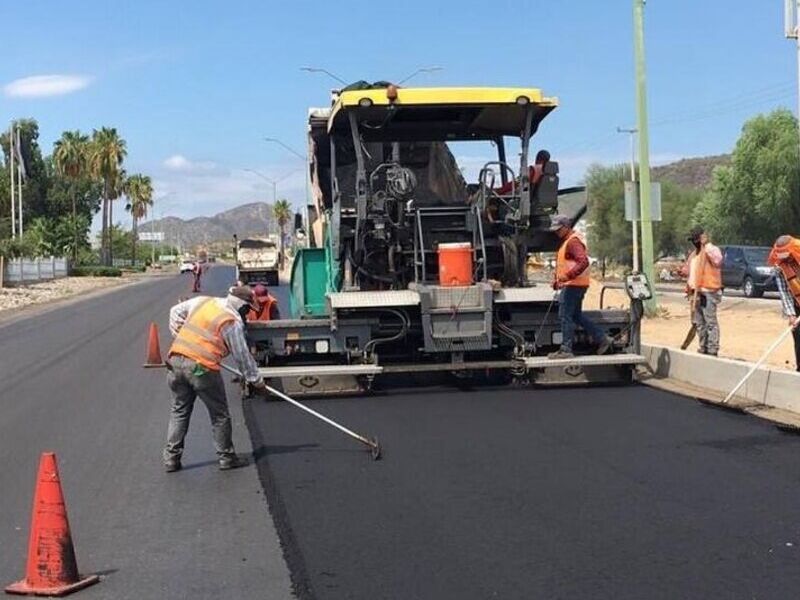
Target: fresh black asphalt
616, 493
71, 381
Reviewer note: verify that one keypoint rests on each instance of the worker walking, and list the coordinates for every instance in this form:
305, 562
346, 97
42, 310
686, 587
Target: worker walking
206, 330
197, 272
572, 278
703, 269
267, 305
785, 257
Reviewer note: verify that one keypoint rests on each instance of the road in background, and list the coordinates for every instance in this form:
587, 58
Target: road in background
72, 382
507, 493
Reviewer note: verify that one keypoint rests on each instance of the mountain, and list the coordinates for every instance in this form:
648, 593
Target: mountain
691, 172
245, 220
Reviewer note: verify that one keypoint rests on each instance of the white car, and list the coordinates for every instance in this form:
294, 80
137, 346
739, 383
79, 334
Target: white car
187, 266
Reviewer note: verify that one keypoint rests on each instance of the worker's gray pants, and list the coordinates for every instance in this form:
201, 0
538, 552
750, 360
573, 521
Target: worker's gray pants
705, 319
187, 386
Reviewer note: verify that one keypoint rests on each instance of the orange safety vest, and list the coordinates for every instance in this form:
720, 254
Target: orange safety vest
704, 275
565, 265
785, 255
264, 313
200, 339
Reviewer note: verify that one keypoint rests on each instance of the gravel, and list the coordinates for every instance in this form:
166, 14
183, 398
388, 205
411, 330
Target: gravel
48, 291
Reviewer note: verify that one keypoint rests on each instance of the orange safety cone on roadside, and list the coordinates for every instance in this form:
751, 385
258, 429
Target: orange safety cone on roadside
154, 359
52, 569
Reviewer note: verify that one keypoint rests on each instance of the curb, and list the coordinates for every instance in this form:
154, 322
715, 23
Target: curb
769, 393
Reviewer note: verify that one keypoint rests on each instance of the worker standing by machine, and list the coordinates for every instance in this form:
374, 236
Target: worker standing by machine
267, 305
703, 270
206, 330
572, 278
785, 257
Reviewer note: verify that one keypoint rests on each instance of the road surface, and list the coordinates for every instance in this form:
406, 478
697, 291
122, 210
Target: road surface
618, 493
72, 382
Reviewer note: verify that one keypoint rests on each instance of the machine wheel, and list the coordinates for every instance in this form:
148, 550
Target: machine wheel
750, 290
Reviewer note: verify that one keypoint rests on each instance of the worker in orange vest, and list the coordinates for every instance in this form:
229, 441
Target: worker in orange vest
572, 278
703, 270
206, 330
267, 305
785, 257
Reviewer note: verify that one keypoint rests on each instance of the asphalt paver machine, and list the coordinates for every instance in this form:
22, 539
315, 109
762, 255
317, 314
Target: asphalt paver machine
411, 269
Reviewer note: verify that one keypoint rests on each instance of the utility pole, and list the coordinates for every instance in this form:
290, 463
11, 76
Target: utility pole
634, 233
792, 31
644, 149
19, 179
13, 191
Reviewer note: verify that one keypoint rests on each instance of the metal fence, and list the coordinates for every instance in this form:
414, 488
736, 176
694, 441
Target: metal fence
127, 262
31, 270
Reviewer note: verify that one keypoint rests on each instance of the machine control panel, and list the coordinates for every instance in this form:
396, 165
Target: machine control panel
638, 287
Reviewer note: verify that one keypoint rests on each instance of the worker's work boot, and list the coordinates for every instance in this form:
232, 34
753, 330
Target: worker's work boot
605, 346
232, 462
172, 465
560, 353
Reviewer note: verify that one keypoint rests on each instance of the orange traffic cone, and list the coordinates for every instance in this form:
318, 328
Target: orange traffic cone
154, 359
51, 570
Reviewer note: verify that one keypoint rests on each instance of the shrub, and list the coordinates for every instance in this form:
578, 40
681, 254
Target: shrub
96, 271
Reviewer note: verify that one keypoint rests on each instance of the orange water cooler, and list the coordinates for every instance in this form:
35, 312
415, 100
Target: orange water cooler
455, 264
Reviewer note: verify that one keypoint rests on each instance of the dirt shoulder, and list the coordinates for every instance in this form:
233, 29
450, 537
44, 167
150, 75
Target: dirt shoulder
19, 300
747, 327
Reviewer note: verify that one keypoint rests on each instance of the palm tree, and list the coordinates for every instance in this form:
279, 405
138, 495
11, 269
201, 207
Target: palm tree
71, 159
282, 213
139, 190
105, 162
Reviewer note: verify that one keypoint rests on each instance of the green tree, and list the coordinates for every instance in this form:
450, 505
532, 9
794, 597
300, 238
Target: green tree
139, 190
755, 198
37, 182
609, 232
282, 213
108, 151
70, 155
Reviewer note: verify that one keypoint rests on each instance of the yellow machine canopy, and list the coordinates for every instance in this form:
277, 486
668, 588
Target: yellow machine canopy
439, 114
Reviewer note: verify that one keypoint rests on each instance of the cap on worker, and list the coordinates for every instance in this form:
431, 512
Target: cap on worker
695, 233
244, 293
260, 290
559, 221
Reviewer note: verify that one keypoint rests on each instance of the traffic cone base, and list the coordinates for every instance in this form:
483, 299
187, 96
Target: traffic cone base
153, 360
23, 588
51, 568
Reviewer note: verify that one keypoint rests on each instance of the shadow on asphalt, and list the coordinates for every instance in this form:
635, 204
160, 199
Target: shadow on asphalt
262, 451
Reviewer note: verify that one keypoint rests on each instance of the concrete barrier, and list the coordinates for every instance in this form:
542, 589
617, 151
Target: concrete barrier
768, 387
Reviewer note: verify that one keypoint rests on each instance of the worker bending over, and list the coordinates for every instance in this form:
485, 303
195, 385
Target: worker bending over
572, 278
704, 286
785, 257
267, 305
206, 330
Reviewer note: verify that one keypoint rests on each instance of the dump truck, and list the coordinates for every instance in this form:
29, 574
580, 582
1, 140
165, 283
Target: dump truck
257, 261
412, 269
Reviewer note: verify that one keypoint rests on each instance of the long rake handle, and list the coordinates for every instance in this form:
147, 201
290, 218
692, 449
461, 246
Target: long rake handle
761, 360
310, 411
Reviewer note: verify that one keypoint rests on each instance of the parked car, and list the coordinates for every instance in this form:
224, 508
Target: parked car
186, 266
746, 268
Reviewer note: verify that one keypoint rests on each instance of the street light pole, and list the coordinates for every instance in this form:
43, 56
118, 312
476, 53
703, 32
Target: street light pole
644, 148
418, 71
634, 233
325, 71
304, 159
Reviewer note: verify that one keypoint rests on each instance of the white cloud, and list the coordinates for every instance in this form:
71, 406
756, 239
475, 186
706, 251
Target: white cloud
43, 86
178, 162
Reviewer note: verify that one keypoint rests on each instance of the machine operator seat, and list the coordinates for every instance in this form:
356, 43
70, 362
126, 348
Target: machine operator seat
545, 191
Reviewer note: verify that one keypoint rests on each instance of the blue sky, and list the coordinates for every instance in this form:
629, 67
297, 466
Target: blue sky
194, 86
